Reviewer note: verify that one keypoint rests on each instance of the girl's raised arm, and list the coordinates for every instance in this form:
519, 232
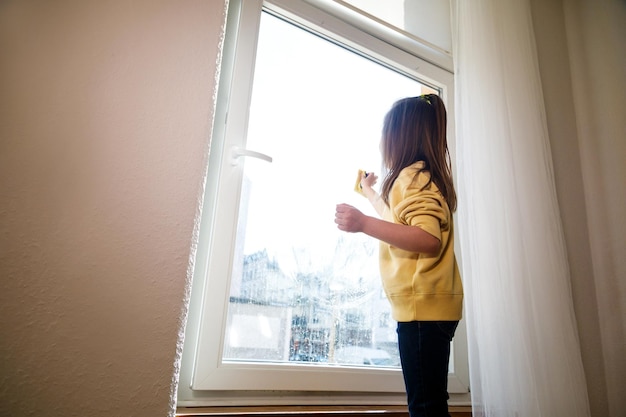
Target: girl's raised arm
367, 182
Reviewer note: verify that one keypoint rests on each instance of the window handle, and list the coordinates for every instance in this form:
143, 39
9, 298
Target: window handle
239, 152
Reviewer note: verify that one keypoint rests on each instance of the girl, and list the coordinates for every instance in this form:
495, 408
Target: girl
417, 263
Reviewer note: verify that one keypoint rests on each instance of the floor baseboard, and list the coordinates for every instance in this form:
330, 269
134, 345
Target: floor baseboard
309, 411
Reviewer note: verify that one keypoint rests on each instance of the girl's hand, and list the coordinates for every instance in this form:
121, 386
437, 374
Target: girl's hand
348, 218
369, 180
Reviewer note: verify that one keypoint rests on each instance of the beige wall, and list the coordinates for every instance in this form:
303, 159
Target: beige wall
105, 111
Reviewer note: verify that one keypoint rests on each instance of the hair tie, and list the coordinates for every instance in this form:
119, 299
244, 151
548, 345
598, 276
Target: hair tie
425, 98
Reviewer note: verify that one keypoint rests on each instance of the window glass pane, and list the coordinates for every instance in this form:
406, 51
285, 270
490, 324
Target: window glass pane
302, 291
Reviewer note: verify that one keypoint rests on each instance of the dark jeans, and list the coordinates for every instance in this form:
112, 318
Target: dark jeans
424, 355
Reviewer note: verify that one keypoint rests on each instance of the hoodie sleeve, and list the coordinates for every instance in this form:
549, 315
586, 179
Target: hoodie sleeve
425, 209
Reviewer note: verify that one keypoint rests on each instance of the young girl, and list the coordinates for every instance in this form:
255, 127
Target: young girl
417, 263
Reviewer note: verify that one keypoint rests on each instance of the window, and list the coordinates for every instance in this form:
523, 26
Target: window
281, 299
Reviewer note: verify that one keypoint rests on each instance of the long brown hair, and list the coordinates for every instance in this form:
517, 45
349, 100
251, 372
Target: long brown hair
415, 130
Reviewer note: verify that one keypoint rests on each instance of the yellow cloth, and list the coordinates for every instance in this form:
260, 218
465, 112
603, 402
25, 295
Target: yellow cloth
357, 184
421, 287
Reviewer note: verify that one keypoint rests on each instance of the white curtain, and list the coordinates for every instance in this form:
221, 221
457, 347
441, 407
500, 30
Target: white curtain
524, 352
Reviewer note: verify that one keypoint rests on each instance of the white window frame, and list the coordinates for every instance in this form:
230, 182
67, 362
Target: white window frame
204, 379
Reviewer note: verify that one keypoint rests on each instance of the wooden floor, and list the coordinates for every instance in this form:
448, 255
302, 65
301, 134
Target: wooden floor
309, 411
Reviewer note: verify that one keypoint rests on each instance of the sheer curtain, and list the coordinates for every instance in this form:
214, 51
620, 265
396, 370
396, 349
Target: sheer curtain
524, 352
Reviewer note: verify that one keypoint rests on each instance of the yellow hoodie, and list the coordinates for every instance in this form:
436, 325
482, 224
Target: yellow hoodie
421, 287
